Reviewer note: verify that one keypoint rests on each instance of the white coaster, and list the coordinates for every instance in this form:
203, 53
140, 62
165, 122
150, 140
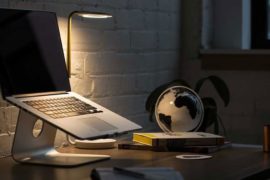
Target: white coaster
193, 156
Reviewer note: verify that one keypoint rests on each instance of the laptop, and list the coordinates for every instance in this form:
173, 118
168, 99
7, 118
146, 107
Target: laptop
34, 78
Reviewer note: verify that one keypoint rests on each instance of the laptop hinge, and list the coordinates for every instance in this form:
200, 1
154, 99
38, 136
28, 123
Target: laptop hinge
39, 94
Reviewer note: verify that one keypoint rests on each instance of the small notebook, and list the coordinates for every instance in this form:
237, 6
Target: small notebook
153, 173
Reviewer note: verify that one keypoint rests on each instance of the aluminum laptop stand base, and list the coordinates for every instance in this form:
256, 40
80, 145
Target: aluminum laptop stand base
40, 150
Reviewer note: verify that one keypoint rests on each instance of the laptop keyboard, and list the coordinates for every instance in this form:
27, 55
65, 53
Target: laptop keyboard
62, 107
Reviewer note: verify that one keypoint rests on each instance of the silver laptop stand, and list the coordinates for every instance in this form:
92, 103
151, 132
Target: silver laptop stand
40, 150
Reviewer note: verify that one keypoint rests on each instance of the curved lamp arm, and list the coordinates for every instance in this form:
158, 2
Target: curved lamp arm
85, 14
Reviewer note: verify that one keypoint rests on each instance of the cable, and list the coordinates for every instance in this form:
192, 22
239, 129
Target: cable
2, 156
69, 140
222, 125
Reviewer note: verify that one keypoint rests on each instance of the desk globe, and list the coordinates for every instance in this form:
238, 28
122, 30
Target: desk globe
179, 109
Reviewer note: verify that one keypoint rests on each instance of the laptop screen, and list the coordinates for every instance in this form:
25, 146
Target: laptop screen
31, 54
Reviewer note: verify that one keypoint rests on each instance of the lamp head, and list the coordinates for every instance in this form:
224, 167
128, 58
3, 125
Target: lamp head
93, 15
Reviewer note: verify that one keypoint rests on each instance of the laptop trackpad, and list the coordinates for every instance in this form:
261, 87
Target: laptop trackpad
98, 124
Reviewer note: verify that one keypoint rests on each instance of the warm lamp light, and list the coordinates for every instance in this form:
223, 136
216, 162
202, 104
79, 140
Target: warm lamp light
84, 14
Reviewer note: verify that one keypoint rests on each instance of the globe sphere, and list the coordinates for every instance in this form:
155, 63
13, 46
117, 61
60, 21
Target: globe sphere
179, 109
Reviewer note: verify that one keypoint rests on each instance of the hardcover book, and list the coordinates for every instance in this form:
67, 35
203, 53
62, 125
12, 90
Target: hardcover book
193, 149
180, 139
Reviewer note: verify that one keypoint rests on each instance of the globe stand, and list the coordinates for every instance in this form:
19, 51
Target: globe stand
40, 150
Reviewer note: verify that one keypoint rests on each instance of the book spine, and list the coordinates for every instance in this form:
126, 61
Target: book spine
205, 142
189, 142
137, 146
143, 140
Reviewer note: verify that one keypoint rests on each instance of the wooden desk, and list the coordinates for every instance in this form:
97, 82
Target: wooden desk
231, 163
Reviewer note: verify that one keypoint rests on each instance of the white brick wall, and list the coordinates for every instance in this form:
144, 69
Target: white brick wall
116, 62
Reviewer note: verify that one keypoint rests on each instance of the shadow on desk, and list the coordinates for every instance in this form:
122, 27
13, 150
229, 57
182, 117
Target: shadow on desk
261, 175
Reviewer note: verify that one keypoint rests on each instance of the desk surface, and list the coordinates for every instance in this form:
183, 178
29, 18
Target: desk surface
231, 163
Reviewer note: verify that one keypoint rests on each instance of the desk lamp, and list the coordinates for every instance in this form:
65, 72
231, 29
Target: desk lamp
93, 15
84, 14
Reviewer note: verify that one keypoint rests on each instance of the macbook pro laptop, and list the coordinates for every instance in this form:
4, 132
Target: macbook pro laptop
34, 77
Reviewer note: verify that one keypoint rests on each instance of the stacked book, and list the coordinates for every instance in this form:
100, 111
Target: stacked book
199, 142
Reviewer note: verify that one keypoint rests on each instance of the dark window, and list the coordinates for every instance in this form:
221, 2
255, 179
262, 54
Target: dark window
260, 24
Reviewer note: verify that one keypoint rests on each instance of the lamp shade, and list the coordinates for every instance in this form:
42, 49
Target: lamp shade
94, 15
